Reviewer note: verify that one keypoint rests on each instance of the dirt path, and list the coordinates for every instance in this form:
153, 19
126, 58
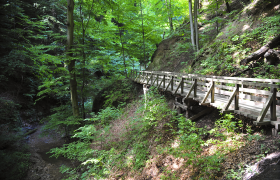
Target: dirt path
42, 167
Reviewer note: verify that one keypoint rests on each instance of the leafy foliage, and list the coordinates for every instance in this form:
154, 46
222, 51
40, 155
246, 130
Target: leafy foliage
62, 120
14, 164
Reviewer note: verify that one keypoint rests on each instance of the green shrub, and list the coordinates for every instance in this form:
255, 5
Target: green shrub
62, 120
13, 164
9, 112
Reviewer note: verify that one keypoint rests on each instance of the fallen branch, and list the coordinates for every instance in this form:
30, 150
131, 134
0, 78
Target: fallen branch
260, 53
30, 132
202, 113
251, 66
272, 57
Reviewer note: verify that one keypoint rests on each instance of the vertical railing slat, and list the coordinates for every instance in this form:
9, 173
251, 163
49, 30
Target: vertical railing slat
273, 104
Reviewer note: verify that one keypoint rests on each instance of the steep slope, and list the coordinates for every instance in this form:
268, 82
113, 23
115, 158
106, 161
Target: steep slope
243, 32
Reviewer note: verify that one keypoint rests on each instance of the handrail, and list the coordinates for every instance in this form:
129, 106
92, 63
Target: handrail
176, 81
223, 79
216, 77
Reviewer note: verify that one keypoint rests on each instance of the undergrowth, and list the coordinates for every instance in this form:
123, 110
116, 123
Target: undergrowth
229, 47
102, 151
13, 153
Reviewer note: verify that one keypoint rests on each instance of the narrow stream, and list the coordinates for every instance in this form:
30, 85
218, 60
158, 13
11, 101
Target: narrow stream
42, 166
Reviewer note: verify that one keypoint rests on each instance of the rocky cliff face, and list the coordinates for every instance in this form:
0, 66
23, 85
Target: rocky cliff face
171, 53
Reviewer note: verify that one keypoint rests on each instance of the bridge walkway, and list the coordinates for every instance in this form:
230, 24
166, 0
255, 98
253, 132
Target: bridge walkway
254, 98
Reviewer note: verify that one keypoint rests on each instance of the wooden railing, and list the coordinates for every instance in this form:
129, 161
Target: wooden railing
251, 97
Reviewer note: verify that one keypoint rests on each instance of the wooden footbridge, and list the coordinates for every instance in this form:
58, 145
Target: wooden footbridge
257, 99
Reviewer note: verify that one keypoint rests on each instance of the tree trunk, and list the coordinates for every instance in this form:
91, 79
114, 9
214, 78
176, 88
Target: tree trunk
191, 23
84, 28
170, 17
260, 53
195, 25
228, 7
217, 23
71, 62
83, 85
143, 33
122, 51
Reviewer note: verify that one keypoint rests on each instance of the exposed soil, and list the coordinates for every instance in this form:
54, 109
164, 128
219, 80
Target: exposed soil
257, 158
42, 167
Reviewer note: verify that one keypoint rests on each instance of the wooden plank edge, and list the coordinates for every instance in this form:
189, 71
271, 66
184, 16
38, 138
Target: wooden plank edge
202, 113
261, 123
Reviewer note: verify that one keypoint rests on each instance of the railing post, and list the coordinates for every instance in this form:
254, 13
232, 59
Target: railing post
152, 78
135, 79
273, 104
236, 98
213, 92
172, 77
182, 86
139, 75
195, 88
157, 80
242, 86
163, 81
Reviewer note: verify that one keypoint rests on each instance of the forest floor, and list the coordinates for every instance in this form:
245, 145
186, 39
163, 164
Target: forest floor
259, 150
42, 166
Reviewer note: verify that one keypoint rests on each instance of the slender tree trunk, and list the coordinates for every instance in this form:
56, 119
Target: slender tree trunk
217, 23
143, 33
228, 7
71, 63
84, 61
83, 85
124, 64
195, 24
191, 23
84, 28
170, 15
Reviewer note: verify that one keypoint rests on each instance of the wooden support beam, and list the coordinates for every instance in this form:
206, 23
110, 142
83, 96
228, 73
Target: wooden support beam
228, 111
208, 92
190, 91
178, 86
151, 78
157, 79
160, 83
144, 77
204, 104
236, 98
265, 108
230, 99
202, 113
213, 92
168, 85
154, 81
261, 123
273, 105
172, 78
181, 105
163, 81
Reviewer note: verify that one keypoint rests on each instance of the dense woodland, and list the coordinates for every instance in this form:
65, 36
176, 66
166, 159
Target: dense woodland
64, 64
